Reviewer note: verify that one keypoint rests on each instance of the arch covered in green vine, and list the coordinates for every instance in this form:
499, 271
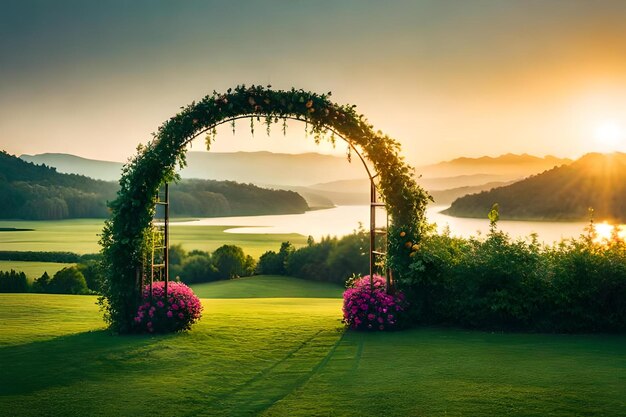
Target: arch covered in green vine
126, 233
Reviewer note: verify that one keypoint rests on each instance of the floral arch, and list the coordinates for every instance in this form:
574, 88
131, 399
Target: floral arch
126, 233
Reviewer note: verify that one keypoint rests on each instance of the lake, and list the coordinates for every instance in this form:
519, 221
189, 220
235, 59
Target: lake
343, 220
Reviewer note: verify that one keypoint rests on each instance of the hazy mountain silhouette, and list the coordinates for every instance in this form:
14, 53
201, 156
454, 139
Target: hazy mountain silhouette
246, 167
271, 168
72, 164
562, 193
507, 167
443, 190
333, 179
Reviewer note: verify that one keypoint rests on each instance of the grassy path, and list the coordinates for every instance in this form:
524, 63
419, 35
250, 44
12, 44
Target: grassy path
291, 357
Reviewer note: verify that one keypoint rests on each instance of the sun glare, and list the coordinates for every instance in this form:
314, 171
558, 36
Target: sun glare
606, 232
609, 135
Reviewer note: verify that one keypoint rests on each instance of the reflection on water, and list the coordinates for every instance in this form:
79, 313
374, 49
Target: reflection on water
338, 221
342, 220
548, 232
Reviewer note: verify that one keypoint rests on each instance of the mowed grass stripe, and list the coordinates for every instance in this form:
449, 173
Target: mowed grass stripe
290, 356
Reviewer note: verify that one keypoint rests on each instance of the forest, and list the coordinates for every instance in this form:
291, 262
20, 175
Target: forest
39, 192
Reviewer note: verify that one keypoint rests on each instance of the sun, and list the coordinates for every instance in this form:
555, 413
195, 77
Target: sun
609, 136
606, 232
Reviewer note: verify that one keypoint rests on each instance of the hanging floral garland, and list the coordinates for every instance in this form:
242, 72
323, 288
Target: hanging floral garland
126, 232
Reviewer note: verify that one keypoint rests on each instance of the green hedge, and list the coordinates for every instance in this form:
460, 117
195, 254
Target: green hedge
60, 257
331, 259
499, 283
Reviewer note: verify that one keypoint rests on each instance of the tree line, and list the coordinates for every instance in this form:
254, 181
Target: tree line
39, 192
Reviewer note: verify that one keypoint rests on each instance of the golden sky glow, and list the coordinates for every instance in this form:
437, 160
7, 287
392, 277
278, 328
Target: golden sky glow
447, 79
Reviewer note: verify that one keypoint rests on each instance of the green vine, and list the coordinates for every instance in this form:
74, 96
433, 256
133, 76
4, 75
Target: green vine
126, 233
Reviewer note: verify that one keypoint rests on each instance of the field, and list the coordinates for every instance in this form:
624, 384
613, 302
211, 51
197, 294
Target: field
81, 236
291, 357
268, 286
33, 270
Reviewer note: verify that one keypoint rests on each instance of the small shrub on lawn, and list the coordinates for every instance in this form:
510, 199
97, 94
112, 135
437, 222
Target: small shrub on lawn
178, 312
370, 307
68, 281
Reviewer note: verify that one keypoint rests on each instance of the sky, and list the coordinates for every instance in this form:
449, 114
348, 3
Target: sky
446, 78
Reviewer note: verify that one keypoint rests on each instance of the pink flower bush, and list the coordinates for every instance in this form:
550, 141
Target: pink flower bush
367, 308
178, 312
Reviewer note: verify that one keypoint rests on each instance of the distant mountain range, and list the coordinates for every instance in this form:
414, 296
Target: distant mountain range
443, 190
555, 188
562, 193
38, 192
506, 167
72, 164
313, 168
325, 180
244, 167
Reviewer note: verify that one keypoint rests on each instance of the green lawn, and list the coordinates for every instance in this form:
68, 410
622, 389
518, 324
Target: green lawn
291, 357
33, 270
81, 236
268, 286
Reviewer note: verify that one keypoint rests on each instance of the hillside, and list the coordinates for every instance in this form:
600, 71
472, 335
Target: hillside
208, 198
39, 192
448, 196
562, 193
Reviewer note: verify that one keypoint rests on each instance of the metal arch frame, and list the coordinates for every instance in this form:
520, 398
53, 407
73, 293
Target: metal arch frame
374, 204
164, 245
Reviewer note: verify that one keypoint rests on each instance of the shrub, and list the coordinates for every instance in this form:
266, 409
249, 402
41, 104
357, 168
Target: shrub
331, 259
309, 262
349, 256
176, 254
367, 307
270, 264
68, 281
158, 314
41, 284
588, 286
231, 262
93, 273
578, 285
198, 268
273, 263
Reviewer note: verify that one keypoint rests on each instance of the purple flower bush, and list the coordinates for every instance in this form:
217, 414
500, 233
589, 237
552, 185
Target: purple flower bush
178, 312
371, 308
